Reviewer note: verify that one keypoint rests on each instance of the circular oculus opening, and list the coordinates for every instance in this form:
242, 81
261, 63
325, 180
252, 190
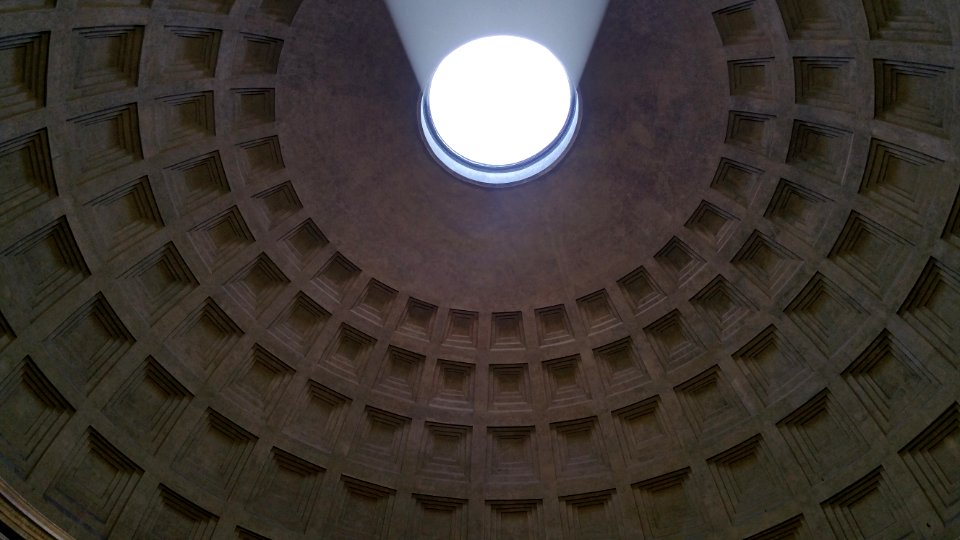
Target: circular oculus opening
499, 110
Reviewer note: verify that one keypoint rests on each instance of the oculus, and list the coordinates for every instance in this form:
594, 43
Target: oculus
499, 110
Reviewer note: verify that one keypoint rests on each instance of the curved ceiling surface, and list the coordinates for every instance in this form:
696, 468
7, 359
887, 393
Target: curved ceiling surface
239, 299
651, 88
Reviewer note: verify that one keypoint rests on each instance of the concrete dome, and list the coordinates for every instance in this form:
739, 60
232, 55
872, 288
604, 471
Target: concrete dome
239, 299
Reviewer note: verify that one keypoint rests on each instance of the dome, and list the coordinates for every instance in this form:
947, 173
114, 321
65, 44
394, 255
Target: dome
239, 298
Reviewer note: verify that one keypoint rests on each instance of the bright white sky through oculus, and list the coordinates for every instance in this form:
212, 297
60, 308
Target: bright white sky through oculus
499, 100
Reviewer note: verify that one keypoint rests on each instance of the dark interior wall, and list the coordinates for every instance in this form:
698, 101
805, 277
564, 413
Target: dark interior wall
239, 299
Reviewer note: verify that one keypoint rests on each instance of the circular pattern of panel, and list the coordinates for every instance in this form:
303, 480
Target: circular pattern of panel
187, 353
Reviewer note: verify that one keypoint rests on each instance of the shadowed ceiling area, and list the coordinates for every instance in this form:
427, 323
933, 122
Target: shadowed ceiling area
239, 299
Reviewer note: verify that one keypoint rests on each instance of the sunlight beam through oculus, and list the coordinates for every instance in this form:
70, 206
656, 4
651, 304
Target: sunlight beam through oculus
502, 105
